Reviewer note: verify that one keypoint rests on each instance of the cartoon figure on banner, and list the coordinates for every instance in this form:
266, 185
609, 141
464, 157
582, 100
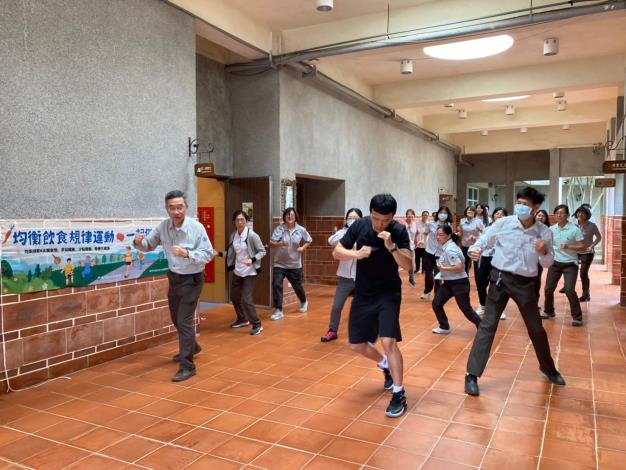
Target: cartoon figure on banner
68, 270
86, 264
128, 261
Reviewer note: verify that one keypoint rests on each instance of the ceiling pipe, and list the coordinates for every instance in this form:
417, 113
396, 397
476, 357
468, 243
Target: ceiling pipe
311, 71
528, 19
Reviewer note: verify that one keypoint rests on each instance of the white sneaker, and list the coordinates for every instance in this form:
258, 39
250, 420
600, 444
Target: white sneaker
441, 331
425, 296
480, 310
503, 316
277, 315
303, 308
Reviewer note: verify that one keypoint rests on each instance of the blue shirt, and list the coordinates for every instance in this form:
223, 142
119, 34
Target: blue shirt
570, 234
514, 246
449, 255
191, 236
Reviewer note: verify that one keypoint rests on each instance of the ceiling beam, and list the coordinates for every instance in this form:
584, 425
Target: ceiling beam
585, 73
530, 117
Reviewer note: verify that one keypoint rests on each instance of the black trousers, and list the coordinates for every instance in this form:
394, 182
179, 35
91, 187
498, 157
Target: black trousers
294, 276
585, 261
241, 295
183, 294
430, 271
459, 289
482, 278
522, 290
538, 281
419, 255
570, 272
468, 260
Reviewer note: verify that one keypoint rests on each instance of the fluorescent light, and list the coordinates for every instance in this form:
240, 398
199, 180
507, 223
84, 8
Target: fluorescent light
472, 49
505, 98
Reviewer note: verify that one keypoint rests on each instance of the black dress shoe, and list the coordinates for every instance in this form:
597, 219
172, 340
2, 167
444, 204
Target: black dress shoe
555, 378
471, 385
562, 290
176, 358
183, 374
584, 298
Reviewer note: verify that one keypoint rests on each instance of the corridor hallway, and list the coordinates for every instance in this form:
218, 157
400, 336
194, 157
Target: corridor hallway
283, 400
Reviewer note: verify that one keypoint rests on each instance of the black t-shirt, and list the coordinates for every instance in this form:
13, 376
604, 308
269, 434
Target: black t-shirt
377, 274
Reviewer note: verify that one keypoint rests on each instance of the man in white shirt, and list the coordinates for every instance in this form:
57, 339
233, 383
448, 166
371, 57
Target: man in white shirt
520, 245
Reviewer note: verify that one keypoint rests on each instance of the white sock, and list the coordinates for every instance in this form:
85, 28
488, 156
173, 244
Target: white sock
384, 364
397, 388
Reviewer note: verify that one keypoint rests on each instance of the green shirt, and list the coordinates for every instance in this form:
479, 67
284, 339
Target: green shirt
569, 234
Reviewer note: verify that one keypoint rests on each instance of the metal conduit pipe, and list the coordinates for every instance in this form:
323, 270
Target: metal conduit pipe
509, 23
325, 80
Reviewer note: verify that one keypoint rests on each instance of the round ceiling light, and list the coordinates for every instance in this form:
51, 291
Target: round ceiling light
324, 5
472, 49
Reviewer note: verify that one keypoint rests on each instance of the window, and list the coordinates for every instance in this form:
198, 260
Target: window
472, 196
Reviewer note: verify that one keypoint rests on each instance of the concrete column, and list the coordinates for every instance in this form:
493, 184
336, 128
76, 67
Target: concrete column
510, 182
554, 174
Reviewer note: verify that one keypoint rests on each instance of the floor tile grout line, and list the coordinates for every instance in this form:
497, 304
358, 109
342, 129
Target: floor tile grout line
593, 401
550, 395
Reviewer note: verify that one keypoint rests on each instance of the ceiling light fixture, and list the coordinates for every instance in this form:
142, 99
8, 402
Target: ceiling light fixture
523, 130
484, 132
550, 46
472, 49
406, 67
324, 5
448, 105
509, 110
462, 114
505, 98
561, 106
557, 95
565, 127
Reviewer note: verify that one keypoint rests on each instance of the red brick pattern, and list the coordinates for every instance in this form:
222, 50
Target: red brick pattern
48, 334
319, 265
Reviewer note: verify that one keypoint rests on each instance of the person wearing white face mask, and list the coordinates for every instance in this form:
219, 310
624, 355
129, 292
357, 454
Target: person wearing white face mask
346, 274
519, 243
442, 217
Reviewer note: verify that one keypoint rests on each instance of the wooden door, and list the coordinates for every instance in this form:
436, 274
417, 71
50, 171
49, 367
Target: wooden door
254, 194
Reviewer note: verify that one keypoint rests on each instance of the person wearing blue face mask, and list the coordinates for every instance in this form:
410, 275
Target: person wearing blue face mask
442, 217
346, 274
520, 243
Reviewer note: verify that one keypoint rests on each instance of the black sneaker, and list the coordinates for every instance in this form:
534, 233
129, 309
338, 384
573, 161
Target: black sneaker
239, 324
584, 298
562, 290
388, 379
547, 315
256, 330
397, 405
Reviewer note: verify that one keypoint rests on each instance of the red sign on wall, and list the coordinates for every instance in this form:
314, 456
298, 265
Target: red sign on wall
206, 216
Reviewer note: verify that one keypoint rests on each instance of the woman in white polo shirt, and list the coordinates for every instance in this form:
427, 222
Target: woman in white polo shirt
568, 241
454, 281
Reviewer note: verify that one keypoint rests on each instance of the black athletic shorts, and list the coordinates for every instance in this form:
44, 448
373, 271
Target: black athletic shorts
375, 316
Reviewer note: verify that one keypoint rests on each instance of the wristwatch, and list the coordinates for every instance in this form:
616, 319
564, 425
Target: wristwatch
394, 247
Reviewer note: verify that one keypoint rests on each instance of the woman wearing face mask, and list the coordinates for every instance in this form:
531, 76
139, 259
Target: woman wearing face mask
454, 281
346, 274
243, 258
420, 240
484, 266
289, 241
411, 228
442, 217
542, 218
470, 228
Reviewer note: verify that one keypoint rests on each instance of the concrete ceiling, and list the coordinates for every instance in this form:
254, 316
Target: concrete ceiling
589, 68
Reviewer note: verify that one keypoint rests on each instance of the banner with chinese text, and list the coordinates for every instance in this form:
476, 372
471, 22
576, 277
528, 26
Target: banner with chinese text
47, 255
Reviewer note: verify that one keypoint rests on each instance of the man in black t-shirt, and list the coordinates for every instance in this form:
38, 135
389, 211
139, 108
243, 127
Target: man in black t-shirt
382, 244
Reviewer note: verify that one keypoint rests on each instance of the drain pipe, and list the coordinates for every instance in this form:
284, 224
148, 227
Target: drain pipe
310, 71
504, 24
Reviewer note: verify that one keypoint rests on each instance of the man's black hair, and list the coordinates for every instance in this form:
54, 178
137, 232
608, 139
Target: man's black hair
384, 204
174, 194
531, 194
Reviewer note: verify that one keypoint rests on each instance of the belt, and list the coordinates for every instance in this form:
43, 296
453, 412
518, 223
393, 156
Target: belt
175, 274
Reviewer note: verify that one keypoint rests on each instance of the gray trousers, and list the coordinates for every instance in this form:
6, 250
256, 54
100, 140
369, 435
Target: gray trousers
183, 294
241, 295
521, 289
345, 287
570, 273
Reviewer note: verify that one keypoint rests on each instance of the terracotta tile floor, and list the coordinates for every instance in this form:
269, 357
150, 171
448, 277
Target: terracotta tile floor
283, 400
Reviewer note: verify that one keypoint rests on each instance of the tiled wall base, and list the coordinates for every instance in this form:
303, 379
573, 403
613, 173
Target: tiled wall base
48, 334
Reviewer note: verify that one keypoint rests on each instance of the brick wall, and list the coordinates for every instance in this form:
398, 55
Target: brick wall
320, 266
52, 333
